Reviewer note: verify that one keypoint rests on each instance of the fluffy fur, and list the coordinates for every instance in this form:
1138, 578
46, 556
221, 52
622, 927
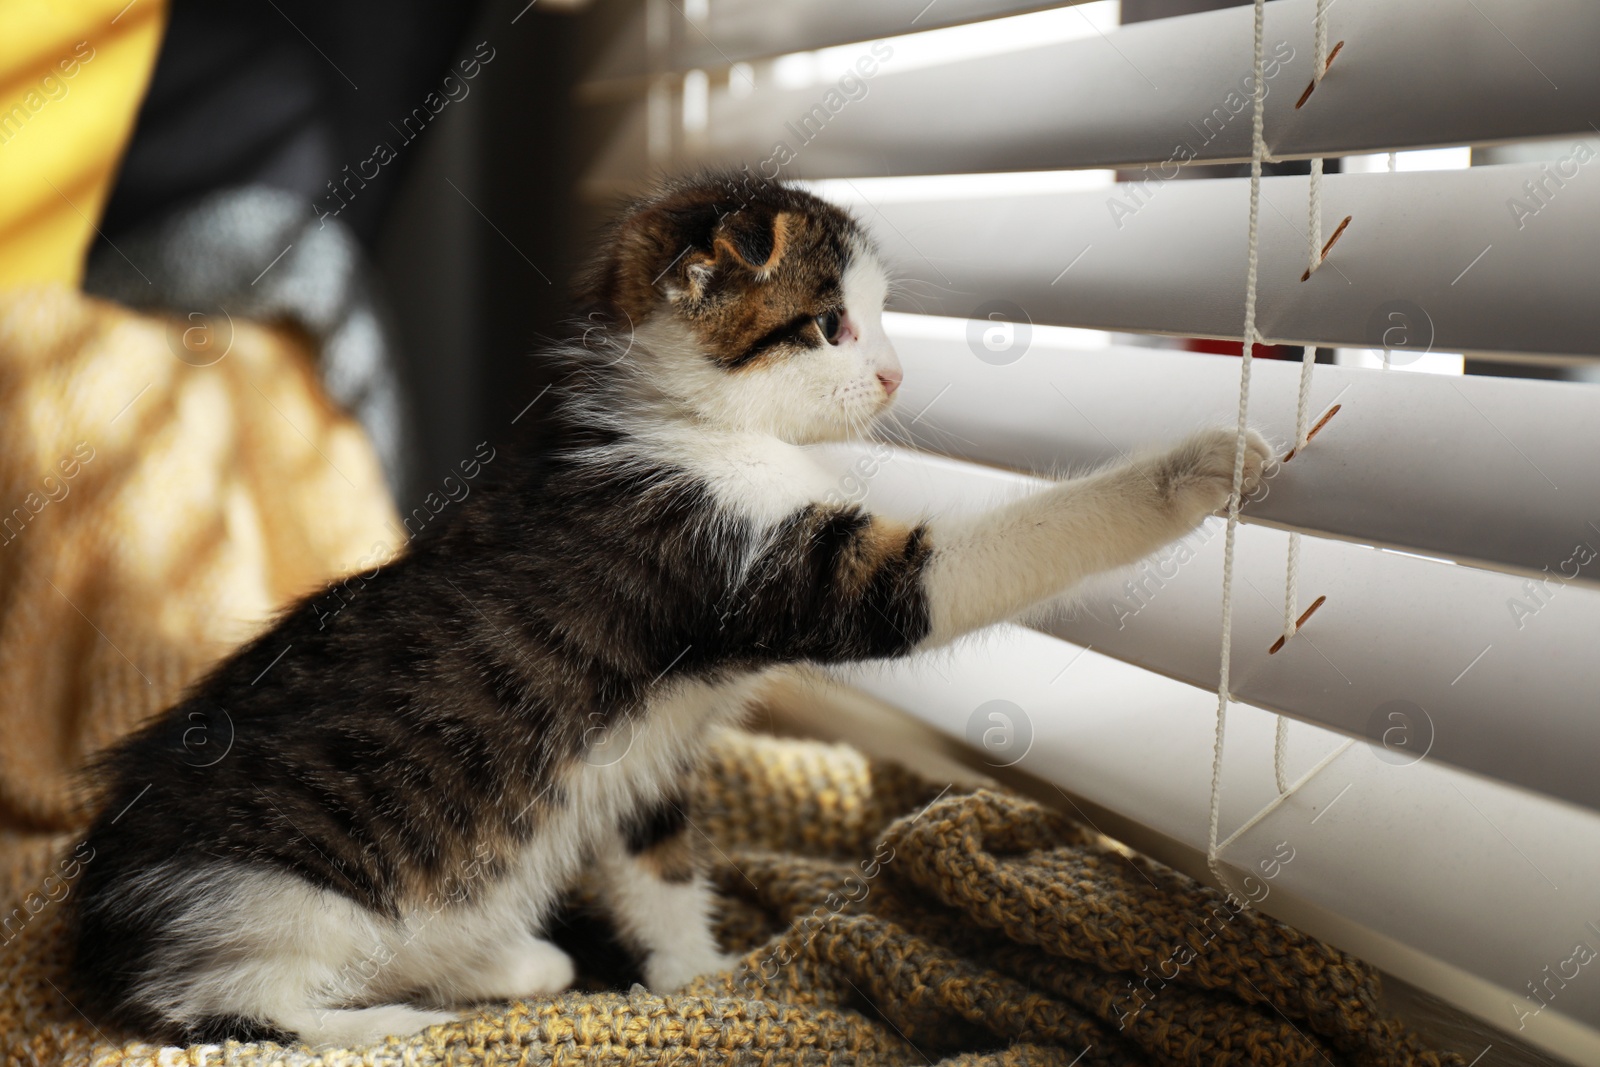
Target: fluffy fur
410, 785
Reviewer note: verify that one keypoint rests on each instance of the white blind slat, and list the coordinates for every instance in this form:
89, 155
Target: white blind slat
1483, 469
1413, 73
737, 31
1443, 247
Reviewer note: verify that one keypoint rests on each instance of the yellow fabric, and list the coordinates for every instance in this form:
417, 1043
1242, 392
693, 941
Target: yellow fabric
153, 513
72, 76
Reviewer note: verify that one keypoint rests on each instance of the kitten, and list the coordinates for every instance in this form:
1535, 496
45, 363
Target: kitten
410, 784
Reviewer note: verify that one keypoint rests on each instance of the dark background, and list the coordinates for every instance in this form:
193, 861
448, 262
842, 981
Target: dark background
470, 228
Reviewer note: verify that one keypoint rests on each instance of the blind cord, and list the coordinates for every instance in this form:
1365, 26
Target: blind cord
1302, 418
1280, 746
1258, 151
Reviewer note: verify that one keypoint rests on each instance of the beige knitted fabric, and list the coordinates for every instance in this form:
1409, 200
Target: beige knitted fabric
972, 929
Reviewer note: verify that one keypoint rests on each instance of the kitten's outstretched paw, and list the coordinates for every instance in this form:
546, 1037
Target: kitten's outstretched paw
667, 973
1197, 476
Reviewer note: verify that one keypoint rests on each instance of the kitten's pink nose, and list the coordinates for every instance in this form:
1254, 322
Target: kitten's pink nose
890, 380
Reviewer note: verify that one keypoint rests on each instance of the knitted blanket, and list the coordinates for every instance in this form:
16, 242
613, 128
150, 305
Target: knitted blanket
883, 920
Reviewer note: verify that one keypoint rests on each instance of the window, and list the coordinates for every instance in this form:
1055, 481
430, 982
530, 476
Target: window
1021, 166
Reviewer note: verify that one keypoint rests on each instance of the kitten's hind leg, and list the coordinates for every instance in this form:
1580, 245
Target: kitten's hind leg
660, 901
258, 954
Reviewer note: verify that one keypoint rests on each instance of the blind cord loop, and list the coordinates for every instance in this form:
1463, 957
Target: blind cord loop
1320, 71
1320, 423
1316, 199
1298, 623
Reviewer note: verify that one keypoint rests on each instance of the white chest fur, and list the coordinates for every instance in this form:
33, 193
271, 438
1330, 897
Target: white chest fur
751, 475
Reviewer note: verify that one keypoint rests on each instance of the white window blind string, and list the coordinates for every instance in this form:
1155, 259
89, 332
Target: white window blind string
1257, 153
1302, 418
1280, 746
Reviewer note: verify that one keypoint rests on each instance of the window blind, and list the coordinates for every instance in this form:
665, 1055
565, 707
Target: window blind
1428, 72
1442, 695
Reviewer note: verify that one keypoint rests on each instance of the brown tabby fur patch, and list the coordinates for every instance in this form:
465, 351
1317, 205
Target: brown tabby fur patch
748, 266
673, 860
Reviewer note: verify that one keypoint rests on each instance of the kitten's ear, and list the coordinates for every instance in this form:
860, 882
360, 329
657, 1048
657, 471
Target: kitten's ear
752, 238
756, 237
677, 249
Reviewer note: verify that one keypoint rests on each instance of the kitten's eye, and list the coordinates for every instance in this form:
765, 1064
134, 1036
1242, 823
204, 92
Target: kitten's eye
829, 322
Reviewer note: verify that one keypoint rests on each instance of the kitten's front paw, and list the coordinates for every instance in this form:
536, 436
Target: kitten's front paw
1197, 476
526, 966
669, 972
